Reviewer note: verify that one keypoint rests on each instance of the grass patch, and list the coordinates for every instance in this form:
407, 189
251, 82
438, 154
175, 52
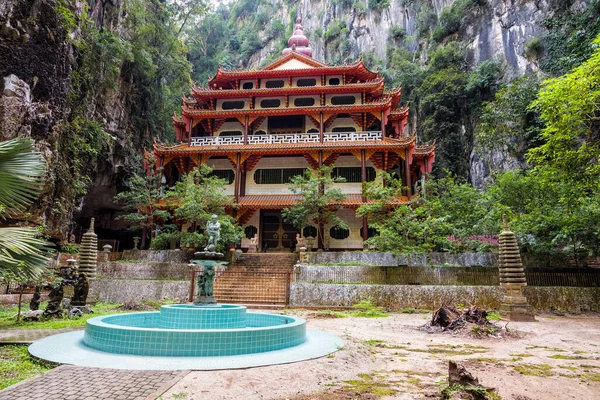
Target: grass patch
541, 370
451, 350
554, 349
414, 311
474, 392
493, 316
590, 376
521, 355
330, 314
8, 314
566, 357
366, 308
367, 384
16, 365
375, 342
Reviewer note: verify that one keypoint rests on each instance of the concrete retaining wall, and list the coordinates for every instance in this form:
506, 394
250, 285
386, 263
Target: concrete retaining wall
136, 290
144, 270
414, 260
397, 297
176, 256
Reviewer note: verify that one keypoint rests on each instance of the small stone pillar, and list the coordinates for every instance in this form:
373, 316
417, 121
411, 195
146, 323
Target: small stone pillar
309, 243
514, 306
136, 240
88, 252
107, 248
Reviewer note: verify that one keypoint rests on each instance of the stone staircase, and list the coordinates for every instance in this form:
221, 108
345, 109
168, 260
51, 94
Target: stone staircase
258, 279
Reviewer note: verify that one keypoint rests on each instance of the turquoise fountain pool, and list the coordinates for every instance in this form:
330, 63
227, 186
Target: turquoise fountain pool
188, 330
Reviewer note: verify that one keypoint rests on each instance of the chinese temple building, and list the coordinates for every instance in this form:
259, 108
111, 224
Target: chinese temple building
258, 128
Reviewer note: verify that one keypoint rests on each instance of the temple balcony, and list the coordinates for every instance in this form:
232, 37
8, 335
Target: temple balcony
328, 137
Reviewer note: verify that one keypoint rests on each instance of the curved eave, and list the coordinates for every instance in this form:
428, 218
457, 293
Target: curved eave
369, 107
278, 201
425, 150
399, 114
388, 144
224, 78
374, 88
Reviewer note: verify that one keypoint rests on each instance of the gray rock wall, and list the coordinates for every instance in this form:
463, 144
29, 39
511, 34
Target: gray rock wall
144, 270
136, 290
415, 260
397, 297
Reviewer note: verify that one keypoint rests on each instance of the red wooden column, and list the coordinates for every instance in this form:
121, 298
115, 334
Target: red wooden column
321, 130
363, 166
246, 130
407, 173
238, 178
382, 123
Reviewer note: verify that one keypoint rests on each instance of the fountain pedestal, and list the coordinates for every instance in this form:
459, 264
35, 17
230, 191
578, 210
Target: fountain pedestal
205, 281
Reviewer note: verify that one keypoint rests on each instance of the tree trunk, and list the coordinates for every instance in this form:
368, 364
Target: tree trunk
19, 306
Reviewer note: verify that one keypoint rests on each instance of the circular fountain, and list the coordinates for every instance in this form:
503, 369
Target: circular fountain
189, 330
203, 335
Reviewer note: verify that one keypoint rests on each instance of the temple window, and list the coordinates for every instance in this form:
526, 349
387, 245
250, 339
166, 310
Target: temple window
250, 231
304, 101
312, 130
276, 176
353, 174
226, 174
233, 105
337, 232
370, 232
274, 84
231, 133
260, 132
270, 103
309, 231
334, 81
343, 100
306, 82
248, 85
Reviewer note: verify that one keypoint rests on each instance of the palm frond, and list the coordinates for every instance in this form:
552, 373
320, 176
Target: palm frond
22, 252
21, 170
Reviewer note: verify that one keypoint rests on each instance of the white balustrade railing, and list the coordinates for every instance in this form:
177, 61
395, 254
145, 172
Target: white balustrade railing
370, 136
217, 140
288, 138
284, 138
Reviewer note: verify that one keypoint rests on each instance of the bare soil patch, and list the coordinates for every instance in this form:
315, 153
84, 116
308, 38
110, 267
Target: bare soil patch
393, 358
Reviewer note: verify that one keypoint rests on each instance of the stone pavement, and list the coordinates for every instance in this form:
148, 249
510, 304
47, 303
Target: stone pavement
69, 382
31, 335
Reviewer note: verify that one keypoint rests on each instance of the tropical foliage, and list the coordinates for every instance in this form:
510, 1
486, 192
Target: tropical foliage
22, 252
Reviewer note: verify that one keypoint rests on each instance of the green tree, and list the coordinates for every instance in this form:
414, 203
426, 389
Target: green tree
199, 195
22, 252
141, 202
317, 201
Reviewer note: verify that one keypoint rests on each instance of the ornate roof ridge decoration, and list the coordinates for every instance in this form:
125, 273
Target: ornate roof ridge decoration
178, 119
425, 149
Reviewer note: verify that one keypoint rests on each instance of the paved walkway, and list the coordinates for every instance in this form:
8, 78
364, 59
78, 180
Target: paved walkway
69, 382
31, 335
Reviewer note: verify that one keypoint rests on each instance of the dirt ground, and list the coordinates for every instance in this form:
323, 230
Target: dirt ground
557, 357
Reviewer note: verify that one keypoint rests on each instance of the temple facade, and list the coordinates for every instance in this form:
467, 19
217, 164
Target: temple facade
258, 128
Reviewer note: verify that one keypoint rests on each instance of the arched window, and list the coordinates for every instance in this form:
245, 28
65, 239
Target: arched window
233, 105
334, 81
274, 84
250, 231
312, 130
307, 82
226, 174
353, 174
343, 100
270, 103
370, 232
261, 132
309, 231
248, 85
337, 232
304, 101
